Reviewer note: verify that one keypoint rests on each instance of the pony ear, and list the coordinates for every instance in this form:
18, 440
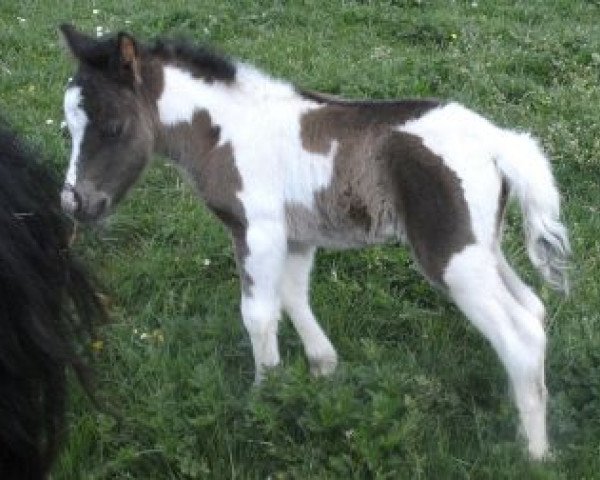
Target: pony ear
129, 60
120, 57
82, 47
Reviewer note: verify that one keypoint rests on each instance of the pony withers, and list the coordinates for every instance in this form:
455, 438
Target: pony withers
288, 171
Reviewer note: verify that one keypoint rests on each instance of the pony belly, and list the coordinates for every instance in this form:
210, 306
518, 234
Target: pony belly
313, 227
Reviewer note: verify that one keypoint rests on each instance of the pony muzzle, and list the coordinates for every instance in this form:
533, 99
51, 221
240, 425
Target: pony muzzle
87, 206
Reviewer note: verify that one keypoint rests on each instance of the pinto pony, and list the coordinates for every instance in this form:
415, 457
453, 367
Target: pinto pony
288, 171
46, 307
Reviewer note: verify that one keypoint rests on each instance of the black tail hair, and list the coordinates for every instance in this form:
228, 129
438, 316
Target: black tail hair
47, 306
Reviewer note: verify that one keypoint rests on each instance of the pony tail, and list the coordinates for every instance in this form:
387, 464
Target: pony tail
528, 172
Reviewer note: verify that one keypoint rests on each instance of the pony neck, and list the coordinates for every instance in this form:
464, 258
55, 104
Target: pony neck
183, 94
194, 113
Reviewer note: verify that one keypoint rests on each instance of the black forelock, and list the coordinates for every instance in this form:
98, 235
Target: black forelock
46, 307
100, 53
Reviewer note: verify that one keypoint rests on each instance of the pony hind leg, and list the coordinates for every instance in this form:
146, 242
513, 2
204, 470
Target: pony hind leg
519, 290
518, 338
295, 286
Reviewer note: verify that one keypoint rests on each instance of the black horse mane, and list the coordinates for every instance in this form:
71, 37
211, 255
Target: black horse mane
47, 304
203, 61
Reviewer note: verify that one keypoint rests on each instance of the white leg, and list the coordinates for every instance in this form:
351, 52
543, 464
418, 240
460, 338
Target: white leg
261, 305
518, 338
295, 287
520, 291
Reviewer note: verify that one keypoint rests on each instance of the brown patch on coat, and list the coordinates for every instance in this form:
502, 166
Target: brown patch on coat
349, 121
219, 182
211, 168
187, 144
357, 208
386, 184
195, 146
430, 199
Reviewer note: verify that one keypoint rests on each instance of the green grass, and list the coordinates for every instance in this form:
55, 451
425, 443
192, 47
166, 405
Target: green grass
418, 393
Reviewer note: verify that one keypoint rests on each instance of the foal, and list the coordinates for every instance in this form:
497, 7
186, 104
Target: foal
288, 171
46, 308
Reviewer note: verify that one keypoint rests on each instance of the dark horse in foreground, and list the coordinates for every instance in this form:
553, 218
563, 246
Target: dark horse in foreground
47, 305
288, 171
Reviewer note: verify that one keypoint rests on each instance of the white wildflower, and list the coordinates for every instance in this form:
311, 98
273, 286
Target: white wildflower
206, 262
49, 122
21, 19
95, 11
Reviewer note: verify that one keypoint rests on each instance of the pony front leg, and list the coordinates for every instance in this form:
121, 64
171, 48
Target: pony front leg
262, 267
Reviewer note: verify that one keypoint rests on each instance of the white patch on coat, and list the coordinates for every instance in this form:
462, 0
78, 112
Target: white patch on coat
77, 121
312, 172
260, 117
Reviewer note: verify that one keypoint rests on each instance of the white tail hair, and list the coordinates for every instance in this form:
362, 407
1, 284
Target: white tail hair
523, 164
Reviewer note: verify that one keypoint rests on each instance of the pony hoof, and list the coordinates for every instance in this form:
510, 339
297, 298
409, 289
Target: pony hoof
262, 372
538, 450
540, 454
322, 366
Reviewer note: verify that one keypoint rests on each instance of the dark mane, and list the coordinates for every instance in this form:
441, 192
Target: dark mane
103, 54
47, 305
202, 61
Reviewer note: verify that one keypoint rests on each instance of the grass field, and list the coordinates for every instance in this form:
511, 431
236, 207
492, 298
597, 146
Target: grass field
418, 394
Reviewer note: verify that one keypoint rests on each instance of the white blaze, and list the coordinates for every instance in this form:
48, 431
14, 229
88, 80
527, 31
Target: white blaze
77, 120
